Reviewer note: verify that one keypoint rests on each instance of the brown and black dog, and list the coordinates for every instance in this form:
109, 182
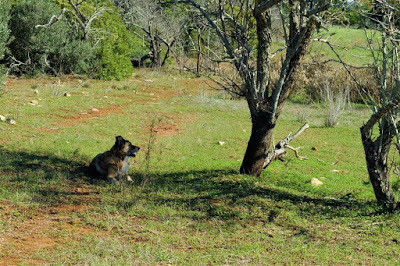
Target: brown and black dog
114, 164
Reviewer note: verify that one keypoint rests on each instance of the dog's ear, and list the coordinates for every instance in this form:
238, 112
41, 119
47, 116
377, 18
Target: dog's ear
119, 142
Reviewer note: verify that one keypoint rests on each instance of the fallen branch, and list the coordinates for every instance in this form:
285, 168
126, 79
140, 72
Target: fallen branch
280, 150
296, 151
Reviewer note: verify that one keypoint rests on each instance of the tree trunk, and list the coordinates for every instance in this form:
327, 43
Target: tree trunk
376, 154
155, 49
257, 148
198, 53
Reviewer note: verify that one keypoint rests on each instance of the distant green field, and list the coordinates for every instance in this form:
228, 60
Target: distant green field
190, 206
350, 43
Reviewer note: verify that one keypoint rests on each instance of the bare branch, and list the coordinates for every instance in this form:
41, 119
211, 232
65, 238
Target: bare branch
333, 45
379, 114
211, 22
277, 51
82, 20
361, 87
316, 62
77, 10
95, 15
53, 19
296, 151
318, 10
279, 149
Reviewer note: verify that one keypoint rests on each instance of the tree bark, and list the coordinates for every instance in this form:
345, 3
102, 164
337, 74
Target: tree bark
377, 154
198, 53
257, 147
155, 50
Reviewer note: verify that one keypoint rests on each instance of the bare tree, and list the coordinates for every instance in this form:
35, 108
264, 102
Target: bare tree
386, 16
156, 26
381, 130
235, 22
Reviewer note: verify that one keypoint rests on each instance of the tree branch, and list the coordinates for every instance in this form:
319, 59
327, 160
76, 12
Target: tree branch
53, 19
296, 152
361, 87
77, 10
203, 12
379, 114
292, 50
279, 149
318, 10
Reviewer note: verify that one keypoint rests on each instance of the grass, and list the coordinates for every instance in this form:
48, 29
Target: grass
190, 206
195, 208
351, 44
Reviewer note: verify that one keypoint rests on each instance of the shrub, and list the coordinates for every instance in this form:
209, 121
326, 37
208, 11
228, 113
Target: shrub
115, 44
335, 102
312, 76
4, 34
4, 31
114, 52
55, 50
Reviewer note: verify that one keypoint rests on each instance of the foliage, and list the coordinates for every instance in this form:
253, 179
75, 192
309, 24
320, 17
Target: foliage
4, 33
353, 14
115, 44
54, 50
116, 47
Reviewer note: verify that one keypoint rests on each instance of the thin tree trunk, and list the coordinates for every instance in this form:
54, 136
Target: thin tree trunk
377, 154
155, 52
198, 53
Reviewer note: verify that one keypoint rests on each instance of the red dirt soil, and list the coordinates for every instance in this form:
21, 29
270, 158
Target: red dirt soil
45, 228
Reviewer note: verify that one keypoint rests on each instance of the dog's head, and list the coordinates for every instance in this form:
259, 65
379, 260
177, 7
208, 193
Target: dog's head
125, 147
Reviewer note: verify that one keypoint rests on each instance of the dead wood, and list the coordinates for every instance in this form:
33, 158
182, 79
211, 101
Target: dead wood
280, 149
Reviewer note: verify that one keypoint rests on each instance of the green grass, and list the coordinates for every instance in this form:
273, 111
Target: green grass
192, 207
351, 44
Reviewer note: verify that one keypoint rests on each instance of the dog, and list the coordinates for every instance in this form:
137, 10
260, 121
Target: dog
114, 164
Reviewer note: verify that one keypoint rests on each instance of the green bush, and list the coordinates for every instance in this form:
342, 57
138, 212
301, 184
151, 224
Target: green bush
53, 50
4, 35
114, 51
116, 46
4, 31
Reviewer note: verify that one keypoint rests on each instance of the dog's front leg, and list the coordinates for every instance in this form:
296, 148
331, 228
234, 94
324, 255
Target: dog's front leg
112, 174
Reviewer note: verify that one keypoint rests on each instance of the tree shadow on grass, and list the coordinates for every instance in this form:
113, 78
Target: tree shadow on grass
24, 163
228, 195
220, 193
46, 178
